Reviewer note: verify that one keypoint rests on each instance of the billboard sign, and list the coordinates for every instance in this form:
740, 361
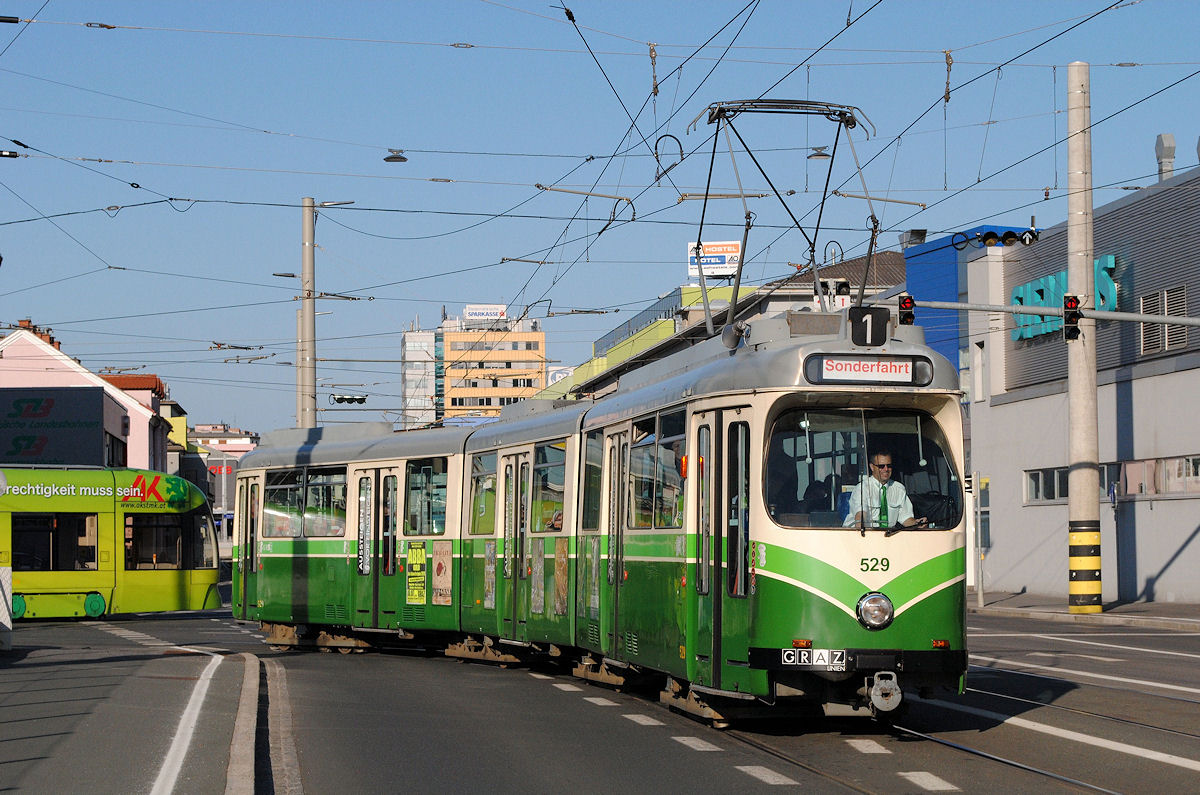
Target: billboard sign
719, 259
485, 312
52, 425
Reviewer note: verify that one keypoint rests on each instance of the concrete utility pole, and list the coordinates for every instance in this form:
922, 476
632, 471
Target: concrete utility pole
1083, 478
306, 386
299, 367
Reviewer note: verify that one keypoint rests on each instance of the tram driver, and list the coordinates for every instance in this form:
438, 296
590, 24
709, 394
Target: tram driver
886, 502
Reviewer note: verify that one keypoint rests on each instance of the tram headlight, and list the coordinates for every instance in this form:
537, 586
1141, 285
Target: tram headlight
875, 611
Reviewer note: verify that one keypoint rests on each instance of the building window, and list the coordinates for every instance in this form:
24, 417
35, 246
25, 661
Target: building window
1148, 477
1155, 336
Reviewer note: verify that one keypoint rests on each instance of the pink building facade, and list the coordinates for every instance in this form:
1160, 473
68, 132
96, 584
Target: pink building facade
33, 373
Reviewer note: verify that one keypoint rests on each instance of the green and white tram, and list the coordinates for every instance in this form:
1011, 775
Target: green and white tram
90, 541
721, 520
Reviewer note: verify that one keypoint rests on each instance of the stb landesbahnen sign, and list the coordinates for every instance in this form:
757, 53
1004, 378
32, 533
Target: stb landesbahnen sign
720, 259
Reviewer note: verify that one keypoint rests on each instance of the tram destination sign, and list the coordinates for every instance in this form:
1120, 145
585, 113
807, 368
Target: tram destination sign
891, 370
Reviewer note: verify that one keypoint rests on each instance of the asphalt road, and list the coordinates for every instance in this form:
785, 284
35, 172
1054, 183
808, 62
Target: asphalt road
151, 704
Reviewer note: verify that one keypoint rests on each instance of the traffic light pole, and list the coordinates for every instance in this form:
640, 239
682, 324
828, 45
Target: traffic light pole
1083, 475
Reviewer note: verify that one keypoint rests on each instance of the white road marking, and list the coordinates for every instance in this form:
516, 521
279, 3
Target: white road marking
1066, 734
140, 638
1123, 648
767, 775
867, 747
600, 702
928, 782
173, 761
643, 720
1070, 654
564, 686
539, 676
696, 744
1065, 635
1106, 677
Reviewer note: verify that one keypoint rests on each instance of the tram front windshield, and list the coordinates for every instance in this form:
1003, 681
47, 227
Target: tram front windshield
861, 469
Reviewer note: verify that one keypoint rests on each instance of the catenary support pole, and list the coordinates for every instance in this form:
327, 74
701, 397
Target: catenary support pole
308, 360
1083, 478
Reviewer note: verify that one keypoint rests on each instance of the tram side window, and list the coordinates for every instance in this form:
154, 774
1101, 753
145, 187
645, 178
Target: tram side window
283, 505
704, 525
203, 539
325, 503
389, 519
593, 458
549, 475
641, 474
426, 504
738, 518
54, 541
156, 541
483, 494
657, 469
670, 470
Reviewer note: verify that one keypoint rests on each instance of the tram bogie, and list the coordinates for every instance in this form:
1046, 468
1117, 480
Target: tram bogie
781, 523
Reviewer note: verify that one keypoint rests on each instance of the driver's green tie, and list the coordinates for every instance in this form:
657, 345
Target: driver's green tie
883, 517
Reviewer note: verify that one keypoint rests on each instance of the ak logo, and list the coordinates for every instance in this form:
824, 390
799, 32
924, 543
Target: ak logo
31, 408
143, 490
27, 446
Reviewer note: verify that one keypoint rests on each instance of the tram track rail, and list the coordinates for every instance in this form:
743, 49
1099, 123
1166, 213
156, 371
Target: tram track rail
1083, 786
750, 739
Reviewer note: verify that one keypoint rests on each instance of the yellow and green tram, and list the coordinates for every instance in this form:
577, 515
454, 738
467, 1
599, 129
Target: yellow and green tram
710, 522
86, 542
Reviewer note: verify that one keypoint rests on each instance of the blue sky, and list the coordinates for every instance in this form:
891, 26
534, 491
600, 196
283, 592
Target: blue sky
225, 114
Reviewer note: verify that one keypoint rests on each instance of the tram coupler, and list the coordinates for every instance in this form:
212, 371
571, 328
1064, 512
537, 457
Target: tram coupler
884, 691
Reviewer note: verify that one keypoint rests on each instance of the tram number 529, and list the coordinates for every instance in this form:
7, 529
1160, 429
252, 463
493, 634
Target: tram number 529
874, 564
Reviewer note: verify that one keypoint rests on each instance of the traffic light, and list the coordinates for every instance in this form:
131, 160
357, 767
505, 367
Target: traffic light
348, 398
994, 237
1072, 312
907, 306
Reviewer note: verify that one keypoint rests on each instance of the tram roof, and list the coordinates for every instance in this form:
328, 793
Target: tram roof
319, 446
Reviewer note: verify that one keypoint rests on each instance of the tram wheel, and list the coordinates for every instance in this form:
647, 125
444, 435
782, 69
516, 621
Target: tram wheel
93, 605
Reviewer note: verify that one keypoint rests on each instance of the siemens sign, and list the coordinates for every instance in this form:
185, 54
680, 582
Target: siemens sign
1048, 291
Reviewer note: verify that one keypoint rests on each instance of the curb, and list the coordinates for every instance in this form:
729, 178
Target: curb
1096, 619
239, 775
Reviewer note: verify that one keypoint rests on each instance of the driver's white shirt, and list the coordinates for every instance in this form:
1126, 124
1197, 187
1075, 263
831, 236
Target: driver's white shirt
899, 506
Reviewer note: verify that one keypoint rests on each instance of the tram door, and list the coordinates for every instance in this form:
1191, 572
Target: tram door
616, 452
736, 585
708, 548
377, 587
516, 480
245, 588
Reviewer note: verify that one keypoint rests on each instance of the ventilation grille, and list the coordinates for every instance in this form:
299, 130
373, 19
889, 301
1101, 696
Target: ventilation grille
337, 614
411, 613
631, 642
593, 633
